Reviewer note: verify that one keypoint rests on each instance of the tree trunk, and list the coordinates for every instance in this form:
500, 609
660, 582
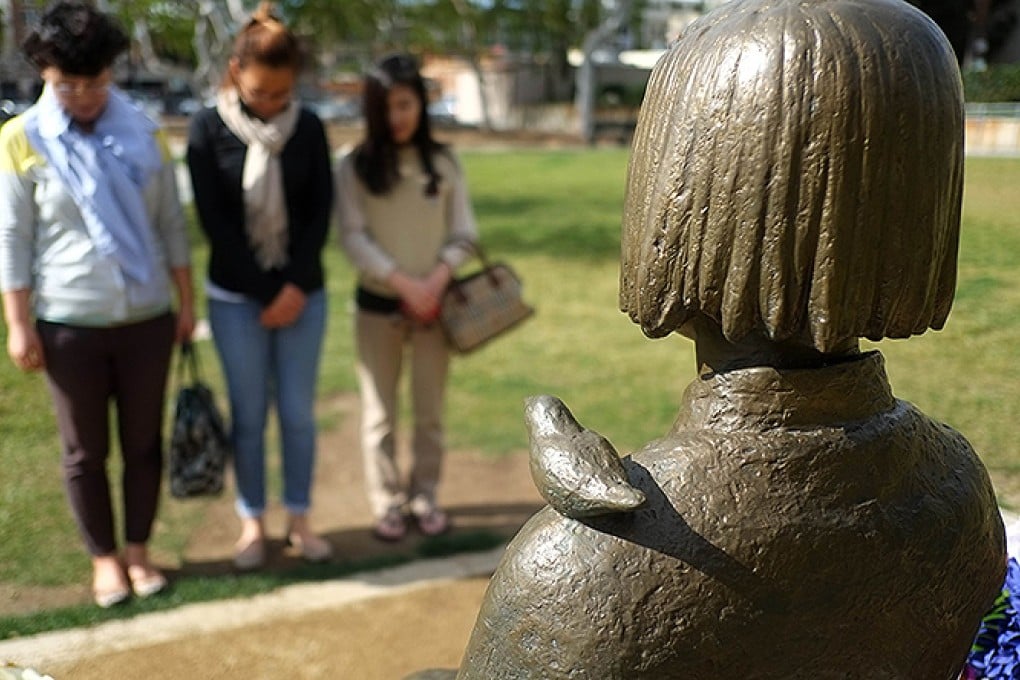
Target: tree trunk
587, 77
471, 47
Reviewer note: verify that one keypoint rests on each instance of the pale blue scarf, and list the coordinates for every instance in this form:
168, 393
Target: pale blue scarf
105, 173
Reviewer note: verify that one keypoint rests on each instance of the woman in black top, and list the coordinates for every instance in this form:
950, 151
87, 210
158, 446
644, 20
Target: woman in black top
263, 189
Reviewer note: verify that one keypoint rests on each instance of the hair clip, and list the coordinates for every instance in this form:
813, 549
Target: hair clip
376, 73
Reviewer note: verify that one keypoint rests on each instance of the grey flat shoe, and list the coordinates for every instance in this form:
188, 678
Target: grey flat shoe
317, 549
251, 556
147, 585
111, 598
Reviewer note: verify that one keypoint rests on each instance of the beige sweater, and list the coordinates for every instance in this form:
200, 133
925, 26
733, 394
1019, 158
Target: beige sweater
404, 229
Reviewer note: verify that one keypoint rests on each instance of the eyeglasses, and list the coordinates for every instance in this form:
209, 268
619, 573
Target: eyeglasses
81, 89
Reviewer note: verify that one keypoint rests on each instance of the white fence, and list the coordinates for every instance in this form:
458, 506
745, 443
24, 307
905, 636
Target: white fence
993, 129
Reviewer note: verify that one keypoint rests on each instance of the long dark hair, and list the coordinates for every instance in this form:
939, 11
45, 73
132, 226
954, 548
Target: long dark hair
375, 159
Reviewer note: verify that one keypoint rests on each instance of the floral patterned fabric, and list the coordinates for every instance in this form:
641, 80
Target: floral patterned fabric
996, 651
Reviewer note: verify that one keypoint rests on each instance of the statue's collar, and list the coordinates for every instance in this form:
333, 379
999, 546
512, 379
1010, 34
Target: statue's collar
764, 398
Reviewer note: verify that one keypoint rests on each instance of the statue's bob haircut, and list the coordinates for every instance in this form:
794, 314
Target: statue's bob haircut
797, 171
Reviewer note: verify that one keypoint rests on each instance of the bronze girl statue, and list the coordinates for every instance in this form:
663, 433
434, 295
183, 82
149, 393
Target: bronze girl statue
795, 185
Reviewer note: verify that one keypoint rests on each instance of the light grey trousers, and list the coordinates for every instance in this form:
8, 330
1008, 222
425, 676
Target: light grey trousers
381, 343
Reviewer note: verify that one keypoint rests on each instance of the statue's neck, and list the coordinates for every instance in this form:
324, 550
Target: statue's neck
717, 354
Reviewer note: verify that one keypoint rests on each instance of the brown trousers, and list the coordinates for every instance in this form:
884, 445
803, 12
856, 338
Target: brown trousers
86, 368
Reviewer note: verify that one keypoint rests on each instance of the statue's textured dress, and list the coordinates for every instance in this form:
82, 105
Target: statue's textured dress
780, 503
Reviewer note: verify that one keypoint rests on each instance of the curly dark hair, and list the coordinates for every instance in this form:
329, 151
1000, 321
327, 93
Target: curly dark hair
76, 38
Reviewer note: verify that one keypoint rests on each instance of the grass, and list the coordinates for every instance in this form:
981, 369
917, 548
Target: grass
967, 375
555, 216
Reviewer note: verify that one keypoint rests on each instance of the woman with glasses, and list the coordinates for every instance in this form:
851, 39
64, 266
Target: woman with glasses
406, 224
92, 244
262, 180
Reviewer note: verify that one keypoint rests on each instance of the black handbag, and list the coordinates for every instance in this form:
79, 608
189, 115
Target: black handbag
483, 305
199, 444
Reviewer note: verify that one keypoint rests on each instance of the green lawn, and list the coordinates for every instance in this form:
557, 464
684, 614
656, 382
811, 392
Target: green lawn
968, 374
555, 216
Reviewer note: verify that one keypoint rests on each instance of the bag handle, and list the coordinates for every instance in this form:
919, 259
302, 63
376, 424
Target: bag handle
476, 249
187, 362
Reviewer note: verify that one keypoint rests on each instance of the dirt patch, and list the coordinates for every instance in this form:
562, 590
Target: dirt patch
480, 494
21, 599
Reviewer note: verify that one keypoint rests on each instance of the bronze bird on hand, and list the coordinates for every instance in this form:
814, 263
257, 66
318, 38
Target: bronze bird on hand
577, 471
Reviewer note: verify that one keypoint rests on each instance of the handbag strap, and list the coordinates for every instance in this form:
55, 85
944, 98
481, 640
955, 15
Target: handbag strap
476, 249
187, 362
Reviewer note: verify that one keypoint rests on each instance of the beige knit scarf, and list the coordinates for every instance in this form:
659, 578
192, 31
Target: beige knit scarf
265, 209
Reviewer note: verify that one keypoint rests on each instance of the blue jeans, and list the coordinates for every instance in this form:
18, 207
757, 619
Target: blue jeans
263, 365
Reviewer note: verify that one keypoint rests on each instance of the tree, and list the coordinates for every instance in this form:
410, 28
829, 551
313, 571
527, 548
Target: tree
196, 33
953, 18
586, 76
544, 29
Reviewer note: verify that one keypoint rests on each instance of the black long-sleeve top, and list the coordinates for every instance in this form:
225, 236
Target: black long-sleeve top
216, 161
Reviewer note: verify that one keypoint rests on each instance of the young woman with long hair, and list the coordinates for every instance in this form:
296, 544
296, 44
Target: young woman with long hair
406, 224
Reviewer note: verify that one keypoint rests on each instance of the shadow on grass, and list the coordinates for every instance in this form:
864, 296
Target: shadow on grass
474, 527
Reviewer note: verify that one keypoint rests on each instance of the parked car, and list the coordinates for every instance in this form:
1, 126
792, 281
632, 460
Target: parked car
443, 112
189, 106
10, 108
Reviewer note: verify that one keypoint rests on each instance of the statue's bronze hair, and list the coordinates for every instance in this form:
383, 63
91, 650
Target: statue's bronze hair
797, 171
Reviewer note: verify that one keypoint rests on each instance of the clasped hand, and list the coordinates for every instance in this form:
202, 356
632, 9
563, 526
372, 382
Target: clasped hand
420, 298
285, 308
